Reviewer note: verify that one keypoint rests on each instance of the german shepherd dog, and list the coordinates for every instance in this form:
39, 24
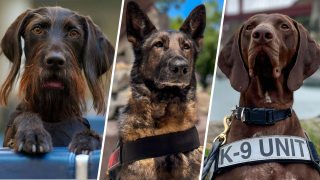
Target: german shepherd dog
59, 45
163, 98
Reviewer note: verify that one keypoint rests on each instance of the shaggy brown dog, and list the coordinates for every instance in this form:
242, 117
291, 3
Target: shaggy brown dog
163, 96
59, 44
266, 60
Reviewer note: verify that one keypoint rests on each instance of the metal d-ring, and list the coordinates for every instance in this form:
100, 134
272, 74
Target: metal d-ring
242, 115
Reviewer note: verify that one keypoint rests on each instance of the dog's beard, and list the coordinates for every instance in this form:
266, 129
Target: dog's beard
52, 103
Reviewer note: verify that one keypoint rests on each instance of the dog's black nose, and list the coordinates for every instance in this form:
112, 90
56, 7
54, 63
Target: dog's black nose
179, 66
262, 34
55, 60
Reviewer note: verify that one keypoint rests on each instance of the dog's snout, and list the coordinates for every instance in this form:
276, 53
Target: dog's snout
262, 35
55, 60
179, 66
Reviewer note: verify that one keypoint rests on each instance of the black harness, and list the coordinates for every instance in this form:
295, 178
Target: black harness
259, 116
151, 147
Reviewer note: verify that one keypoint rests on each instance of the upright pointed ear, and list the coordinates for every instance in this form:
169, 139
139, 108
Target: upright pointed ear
11, 48
98, 58
307, 61
138, 24
231, 64
195, 24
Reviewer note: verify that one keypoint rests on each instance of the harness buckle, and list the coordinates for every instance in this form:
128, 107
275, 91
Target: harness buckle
265, 116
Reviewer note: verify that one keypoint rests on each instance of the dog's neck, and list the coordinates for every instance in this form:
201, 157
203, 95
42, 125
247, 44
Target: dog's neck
152, 111
272, 93
268, 92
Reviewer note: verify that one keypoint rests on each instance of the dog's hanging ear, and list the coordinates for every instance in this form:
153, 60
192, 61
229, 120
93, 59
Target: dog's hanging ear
195, 24
138, 24
307, 61
11, 48
231, 64
98, 58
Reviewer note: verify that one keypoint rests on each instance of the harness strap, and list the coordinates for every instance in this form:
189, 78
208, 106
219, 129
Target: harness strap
252, 151
262, 116
155, 146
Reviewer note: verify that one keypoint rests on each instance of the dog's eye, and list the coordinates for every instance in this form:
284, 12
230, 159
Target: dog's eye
159, 44
284, 26
186, 46
74, 33
37, 30
249, 27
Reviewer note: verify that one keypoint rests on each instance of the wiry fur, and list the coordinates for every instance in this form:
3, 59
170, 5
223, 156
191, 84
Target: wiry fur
90, 53
90, 140
161, 102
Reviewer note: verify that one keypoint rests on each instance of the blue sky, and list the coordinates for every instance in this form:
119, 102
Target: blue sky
187, 7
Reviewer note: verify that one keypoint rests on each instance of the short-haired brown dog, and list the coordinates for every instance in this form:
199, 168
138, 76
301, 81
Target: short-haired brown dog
266, 61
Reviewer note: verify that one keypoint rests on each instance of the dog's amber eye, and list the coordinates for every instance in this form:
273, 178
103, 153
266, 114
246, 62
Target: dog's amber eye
284, 26
37, 30
74, 33
159, 44
186, 46
249, 27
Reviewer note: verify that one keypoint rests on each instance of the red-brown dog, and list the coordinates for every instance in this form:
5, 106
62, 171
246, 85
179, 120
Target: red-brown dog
266, 60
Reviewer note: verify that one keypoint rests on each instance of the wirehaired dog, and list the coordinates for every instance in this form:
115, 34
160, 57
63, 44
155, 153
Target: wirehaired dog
59, 45
163, 96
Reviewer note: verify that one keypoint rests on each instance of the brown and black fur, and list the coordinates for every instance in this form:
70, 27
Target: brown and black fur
163, 98
64, 48
266, 61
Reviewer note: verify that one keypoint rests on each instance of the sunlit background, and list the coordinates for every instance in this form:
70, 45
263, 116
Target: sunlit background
103, 13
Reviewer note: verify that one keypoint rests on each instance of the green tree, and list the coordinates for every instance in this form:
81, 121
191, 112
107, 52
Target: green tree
206, 60
205, 64
176, 23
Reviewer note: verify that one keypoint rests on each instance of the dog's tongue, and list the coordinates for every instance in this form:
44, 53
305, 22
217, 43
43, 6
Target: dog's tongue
56, 84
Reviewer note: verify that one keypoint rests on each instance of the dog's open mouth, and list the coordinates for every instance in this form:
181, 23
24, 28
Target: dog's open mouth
53, 84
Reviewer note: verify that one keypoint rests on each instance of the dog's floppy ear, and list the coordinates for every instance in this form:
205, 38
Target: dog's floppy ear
138, 24
195, 24
307, 61
98, 58
11, 48
231, 64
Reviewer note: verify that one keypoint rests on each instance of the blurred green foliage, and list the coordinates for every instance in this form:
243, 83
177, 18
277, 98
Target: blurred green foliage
205, 64
312, 129
206, 152
206, 60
